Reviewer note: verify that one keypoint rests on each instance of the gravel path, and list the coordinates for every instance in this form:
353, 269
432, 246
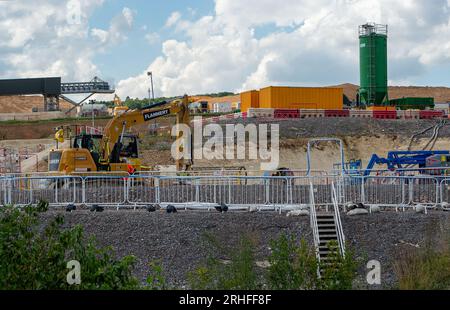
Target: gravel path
178, 239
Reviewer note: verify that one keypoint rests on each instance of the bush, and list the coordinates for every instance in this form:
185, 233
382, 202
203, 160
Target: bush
35, 257
294, 267
156, 280
338, 275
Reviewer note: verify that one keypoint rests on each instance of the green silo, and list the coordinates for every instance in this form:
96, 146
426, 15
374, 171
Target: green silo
373, 65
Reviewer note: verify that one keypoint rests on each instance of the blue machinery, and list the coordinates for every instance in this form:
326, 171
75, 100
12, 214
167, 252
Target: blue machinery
403, 159
395, 160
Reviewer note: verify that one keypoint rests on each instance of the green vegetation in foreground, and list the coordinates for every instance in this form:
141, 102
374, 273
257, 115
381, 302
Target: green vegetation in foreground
424, 268
35, 257
291, 266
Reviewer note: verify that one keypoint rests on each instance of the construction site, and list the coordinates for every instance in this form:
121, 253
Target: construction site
365, 167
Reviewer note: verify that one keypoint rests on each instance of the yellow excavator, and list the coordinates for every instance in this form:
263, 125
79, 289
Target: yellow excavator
116, 150
119, 108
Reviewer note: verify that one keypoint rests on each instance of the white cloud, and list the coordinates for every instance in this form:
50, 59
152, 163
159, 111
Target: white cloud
173, 19
152, 38
249, 44
118, 28
53, 38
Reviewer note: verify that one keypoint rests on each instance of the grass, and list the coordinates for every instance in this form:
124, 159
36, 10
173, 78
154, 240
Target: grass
425, 268
292, 266
239, 273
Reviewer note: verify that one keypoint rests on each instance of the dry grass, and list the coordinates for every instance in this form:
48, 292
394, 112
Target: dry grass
424, 268
441, 94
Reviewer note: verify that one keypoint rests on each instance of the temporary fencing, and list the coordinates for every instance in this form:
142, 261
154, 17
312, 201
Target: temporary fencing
234, 191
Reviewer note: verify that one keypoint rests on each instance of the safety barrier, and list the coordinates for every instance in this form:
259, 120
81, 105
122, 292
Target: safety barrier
260, 113
408, 114
286, 113
30, 190
445, 191
431, 114
386, 191
361, 114
104, 190
312, 113
279, 193
385, 114
337, 113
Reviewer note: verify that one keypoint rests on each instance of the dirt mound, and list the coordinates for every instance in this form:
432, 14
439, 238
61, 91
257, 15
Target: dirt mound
25, 104
440, 94
40, 130
212, 100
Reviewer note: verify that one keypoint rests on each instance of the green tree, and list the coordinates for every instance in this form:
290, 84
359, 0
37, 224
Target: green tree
35, 257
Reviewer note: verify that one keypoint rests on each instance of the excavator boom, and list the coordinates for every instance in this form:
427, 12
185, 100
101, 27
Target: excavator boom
110, 155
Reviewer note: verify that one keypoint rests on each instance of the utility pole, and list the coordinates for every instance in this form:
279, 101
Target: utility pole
93, 117
150, 74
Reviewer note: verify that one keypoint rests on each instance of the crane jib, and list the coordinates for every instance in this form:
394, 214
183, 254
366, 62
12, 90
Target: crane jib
152, 115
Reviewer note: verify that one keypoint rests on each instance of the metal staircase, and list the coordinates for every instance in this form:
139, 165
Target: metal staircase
327, 227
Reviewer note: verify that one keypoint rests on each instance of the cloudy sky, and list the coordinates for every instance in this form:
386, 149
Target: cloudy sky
203, 46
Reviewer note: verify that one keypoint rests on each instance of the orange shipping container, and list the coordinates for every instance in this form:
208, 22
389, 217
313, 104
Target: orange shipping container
382, 109
301, 98
249, 99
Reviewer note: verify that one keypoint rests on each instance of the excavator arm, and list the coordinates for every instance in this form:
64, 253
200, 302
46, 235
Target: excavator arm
119, 125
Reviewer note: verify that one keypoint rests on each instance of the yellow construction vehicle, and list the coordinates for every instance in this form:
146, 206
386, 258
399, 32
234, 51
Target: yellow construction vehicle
119, 108
116, 150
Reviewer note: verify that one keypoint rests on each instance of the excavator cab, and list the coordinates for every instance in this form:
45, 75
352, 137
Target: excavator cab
90, 142
128, 148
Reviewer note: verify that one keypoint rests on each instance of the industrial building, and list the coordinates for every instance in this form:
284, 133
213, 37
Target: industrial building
413, 103
373, 62
275, 97
249, 99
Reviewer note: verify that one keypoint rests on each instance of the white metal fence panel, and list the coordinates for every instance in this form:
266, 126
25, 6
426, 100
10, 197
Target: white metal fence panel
349, 190
249, 191
142, 190
177, 190
108, 190
322, 190
234, 191
386, 191
445, 191
31, 190
423, 190
300, 191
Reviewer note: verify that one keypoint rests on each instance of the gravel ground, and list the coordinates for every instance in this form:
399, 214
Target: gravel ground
178, 239
381, 236
339, 127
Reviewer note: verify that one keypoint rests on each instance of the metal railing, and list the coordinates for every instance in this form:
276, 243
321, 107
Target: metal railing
278, 193
338, 222
314, 224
